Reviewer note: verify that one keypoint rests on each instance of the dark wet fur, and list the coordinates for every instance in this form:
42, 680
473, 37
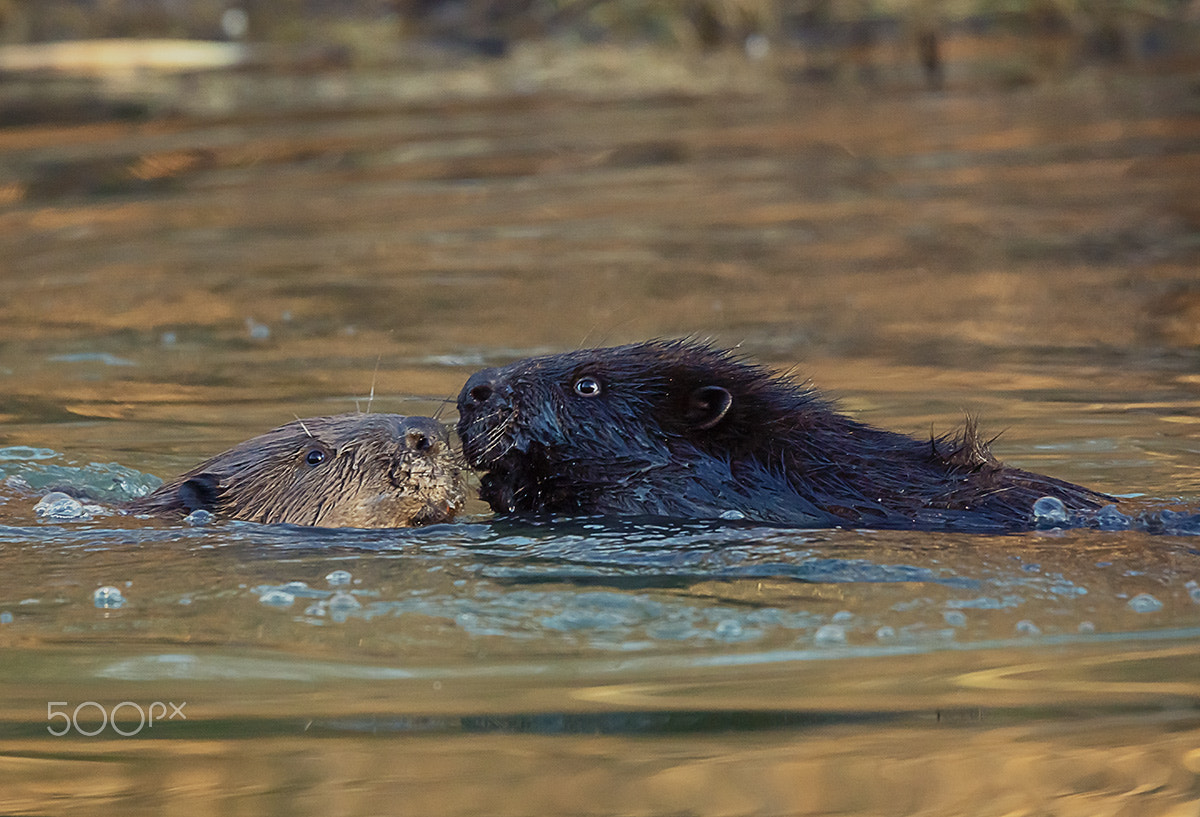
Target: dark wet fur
685, 430
374, 471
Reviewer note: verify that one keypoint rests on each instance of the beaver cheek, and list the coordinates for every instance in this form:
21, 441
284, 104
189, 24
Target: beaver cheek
400, 476
545, 430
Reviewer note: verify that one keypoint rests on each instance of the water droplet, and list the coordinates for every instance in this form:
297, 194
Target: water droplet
732, 516
338, 578
108, 598
1049, 511
1145, 603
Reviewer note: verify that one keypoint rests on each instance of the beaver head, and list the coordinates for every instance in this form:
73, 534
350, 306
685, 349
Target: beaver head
350, 470
619, 430
679, 428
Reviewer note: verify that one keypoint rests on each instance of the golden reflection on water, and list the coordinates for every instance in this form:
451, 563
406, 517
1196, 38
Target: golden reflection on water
1084, 730
1027, 255
963, 763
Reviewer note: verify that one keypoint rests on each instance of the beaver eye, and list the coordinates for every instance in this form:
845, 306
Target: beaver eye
587, 386
315, 457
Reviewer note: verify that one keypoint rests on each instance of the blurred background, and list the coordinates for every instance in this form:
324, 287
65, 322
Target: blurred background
278, 206
1008, 41
218, 216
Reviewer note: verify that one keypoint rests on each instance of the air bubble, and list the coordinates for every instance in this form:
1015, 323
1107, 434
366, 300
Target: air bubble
1049, 512
277, 598
1145, 603
341, 602
338, 578
729, 628
1027, 627
830, 635
955, 618
57, 505
198, 518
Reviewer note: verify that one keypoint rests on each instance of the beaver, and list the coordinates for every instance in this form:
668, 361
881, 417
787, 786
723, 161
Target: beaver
683, 429
349, 470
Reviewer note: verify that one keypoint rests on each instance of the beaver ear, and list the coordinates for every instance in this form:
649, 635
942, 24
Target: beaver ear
199, 493
707, 405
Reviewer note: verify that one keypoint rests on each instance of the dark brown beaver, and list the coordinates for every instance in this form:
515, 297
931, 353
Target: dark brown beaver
352, 470
681, 429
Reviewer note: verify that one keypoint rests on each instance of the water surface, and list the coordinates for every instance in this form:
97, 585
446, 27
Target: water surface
173, 286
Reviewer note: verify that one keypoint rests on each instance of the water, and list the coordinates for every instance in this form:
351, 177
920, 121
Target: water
174, 286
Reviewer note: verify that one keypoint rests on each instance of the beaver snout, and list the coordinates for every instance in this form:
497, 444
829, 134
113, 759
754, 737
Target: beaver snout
485, 389
484, 405
423, 434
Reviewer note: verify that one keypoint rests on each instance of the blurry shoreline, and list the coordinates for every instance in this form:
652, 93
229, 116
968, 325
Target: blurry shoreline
88, 80
154, 78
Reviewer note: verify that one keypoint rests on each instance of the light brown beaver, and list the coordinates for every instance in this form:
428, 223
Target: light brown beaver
682, 429
347, 471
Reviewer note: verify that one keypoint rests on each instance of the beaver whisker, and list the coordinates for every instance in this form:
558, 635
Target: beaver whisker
441, 406
374, 377
497, 441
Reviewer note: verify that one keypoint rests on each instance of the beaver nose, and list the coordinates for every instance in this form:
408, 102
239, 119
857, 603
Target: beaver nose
481, 388
422, 433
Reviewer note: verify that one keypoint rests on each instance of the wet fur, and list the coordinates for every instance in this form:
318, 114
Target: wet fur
682, 429
376, 471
